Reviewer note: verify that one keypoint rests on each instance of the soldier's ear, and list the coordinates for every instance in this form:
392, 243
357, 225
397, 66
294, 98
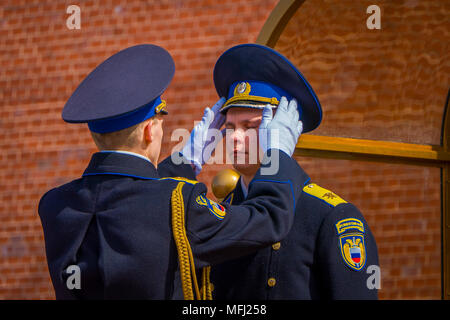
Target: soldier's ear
148, 136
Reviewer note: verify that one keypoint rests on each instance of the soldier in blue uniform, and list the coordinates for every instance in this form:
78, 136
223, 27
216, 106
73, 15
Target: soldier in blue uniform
138, 230
330, 246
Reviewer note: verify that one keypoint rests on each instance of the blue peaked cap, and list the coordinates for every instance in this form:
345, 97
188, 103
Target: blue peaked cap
253, 75
122, 91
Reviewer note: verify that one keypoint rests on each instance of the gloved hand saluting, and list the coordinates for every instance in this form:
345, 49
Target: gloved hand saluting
283, 130
201, 137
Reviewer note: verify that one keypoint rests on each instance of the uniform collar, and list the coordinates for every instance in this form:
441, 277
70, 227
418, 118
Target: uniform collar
119, 163
127, 152
244, 189
238, 193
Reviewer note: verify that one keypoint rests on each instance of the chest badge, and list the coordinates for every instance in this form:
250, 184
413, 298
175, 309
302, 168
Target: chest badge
353, 250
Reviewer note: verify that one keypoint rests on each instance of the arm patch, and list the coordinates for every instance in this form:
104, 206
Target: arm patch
215, 208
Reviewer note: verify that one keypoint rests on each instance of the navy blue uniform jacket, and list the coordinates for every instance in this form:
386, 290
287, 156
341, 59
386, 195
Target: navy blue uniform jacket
114, 223
317, 260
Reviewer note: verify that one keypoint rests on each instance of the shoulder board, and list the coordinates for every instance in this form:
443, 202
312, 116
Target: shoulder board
323, 194
181, 179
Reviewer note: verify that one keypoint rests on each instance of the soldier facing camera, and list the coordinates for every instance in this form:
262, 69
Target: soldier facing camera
330, 246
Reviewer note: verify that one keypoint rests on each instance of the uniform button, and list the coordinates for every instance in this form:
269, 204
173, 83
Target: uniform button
276, 246
211, 287
271, 282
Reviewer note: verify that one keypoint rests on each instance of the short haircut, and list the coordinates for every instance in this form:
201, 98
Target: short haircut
125, 138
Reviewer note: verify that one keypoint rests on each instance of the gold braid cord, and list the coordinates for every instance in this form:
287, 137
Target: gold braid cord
206, 287
185, 258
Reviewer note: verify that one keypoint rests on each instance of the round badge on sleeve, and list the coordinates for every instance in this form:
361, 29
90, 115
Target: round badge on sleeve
215, 208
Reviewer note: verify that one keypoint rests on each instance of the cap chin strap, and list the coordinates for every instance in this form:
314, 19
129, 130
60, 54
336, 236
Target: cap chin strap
273, 101
161, 108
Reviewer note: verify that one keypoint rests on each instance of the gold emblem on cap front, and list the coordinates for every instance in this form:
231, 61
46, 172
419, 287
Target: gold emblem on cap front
241, 87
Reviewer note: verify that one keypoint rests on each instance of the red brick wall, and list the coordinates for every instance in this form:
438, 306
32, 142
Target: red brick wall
387, 84
42, 62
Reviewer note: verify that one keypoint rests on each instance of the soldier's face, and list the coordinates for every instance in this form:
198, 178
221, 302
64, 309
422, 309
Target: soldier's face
242, 141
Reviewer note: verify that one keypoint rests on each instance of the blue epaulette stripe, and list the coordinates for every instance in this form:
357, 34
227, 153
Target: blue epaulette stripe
179, 180
118, 174
307, 181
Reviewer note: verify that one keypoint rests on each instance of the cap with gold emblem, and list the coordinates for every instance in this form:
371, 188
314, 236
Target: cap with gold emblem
253, 75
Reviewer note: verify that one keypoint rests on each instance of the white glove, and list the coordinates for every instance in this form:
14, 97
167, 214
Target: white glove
283, 131
200, 139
